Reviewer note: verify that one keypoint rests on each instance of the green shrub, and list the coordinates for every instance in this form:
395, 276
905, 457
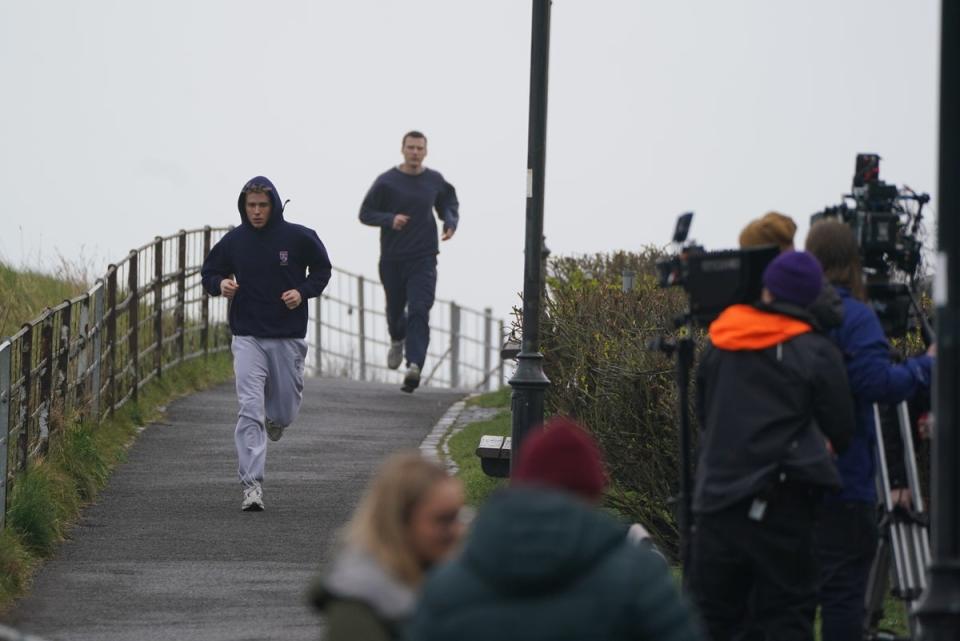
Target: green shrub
595, 343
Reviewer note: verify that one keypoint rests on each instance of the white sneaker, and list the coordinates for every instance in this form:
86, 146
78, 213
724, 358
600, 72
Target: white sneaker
274, 431
252, 499
395, 355
411, 379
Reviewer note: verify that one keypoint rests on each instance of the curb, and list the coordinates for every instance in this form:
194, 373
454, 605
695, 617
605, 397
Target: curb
437, 439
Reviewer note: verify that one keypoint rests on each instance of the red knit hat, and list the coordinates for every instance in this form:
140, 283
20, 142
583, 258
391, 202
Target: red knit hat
564, 456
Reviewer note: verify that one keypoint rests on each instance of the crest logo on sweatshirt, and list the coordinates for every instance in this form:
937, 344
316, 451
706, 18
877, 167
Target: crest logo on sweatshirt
284, 258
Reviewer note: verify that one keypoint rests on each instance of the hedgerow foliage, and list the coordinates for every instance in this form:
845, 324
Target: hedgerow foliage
595, 340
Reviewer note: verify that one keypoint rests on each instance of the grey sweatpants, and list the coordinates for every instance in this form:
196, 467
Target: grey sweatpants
269, 373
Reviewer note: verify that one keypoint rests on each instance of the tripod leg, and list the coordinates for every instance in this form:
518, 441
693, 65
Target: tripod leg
901, 579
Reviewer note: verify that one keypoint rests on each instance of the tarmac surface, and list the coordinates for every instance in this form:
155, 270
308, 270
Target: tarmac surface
166, 553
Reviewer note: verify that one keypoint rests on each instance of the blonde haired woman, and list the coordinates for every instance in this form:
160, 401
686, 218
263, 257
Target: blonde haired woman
407, 522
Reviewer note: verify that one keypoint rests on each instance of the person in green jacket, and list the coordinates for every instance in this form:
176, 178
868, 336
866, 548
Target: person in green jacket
407, 522
543, 563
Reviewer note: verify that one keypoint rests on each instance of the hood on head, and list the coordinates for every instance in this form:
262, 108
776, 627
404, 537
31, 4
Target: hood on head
276, 205
529, 539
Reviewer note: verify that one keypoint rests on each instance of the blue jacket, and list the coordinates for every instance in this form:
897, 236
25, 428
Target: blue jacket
873, 379
419, 196
267, 262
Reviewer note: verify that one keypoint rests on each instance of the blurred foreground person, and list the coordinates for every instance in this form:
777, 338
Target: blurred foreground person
847, 533
542, 562
770, 392
406, 523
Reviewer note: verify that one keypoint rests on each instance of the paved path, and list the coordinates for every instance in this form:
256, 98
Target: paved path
166, 552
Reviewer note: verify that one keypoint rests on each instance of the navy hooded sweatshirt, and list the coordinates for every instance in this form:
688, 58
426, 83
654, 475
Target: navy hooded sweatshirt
418, 196
267, 262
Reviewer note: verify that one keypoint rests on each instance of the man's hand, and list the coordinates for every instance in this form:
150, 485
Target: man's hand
902, 497
932, 350
400, 221
448, 233
292, 298
229, 287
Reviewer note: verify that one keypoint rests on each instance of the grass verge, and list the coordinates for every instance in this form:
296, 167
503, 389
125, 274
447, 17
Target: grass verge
463, 445
46, 500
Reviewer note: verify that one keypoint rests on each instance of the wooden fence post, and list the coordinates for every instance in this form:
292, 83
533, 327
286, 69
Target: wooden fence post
5, 381
99, 316
158, 305
181, 292
111, 316
23, 419
63, 364
97, 374
133, 316
46, 381
205, 309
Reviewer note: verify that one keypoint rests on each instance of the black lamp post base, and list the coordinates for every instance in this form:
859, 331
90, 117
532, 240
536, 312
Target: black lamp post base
529, 384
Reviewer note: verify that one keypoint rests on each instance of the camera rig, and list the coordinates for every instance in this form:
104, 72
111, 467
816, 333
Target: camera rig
713, 280
887, 222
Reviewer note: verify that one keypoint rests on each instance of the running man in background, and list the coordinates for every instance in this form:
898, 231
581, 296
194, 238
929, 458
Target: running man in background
401, 203
267, 268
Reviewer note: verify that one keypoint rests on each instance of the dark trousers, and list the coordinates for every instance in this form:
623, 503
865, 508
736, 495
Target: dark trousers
410, 287
756, 580
846, 541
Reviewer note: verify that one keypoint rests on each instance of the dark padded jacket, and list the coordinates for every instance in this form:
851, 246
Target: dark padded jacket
541, 565
769, 390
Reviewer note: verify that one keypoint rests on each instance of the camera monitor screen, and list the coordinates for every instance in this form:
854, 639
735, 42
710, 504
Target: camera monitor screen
716, 280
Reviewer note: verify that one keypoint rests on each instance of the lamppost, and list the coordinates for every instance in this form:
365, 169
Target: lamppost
939, 608
529, 382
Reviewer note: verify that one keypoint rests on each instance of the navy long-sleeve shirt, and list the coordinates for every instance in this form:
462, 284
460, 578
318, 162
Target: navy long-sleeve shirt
873, 379
267, 262
417, 196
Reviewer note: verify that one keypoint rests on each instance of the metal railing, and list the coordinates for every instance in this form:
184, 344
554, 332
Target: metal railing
87, 356
348, 338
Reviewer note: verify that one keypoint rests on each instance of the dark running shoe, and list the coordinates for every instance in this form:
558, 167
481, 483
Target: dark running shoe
411, 380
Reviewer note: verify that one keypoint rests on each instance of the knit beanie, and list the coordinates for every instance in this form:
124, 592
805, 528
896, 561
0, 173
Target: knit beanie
794, 277
773, 229
564, 456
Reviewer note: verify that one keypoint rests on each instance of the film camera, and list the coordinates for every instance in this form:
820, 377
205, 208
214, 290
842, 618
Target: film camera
713, 280
887, 223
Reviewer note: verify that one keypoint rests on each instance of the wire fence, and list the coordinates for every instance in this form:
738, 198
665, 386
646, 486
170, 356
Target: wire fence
87, 356
348, 338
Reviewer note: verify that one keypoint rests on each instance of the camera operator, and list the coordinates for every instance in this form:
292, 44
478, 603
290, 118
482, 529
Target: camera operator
846, 536
770, 391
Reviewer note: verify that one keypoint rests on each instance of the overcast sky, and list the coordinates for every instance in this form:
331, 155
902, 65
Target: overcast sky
123, 119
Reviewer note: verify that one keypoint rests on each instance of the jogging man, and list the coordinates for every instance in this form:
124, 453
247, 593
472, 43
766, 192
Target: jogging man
267, 268
401, 203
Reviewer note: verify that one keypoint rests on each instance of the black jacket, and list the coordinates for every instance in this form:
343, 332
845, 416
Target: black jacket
769, 390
